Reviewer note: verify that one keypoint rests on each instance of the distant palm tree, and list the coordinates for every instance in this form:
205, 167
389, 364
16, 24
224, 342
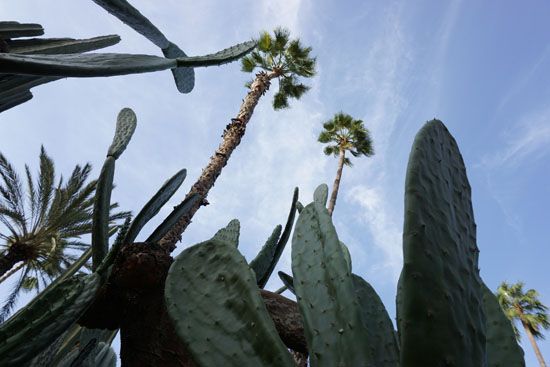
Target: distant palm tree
344, 133
526, 308
41, 226
277, 57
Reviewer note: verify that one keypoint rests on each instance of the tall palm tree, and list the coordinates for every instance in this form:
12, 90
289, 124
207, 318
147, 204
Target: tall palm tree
344, 134
278, 58
526, 308
41, 228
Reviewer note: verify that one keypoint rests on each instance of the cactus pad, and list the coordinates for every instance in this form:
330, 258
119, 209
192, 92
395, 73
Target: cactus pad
229, 234
125, 126
325, 293
441, 320
154, 205
502, 347
217, 311
382, 341
321, 194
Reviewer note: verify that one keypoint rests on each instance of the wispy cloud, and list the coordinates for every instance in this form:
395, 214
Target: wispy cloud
528, 139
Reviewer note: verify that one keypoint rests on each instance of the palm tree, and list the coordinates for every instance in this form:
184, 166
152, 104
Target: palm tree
40, 235
343, 133
527, 309
278, 58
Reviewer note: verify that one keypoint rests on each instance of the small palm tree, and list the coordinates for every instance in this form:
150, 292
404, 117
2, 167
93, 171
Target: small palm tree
40, 235
344, 134
526, 308
278, 58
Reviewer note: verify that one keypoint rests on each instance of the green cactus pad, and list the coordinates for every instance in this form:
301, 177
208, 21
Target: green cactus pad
221, 57
45, 319
440, 307
502, 347
299, 207
125, 126
154, 205
62, 45
217, 311
321, 194
325, 293
287, 280
347, 255
262, 262
83, 65
184, 77
179, 212
100, 218
103, 268
229, 234
16, 29
382, 341
270, 254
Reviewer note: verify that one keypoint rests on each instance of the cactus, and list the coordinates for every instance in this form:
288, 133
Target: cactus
16, 29
324, 289
347, 256
153, 206
440, 313
179, 211
45, 319
184, 77
105, 64
502, 347
214, 303
287, 280
269, 255
321, 194
125, 127
382, 341
229, 234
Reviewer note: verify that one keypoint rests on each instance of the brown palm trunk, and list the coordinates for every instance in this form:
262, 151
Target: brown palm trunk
336, 185
534, 344
231, 138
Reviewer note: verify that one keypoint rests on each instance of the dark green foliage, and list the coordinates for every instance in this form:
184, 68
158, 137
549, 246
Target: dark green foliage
154, 205
284, 59
382, 342
502, 347
229, 234
344, 133
210, 294
269, 255
440, 313
325, 293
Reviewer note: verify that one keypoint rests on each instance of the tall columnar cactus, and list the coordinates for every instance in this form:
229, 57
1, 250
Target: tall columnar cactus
440, 309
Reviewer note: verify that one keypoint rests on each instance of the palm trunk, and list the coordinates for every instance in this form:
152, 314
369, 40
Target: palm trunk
336, 185
231, 138
534, 344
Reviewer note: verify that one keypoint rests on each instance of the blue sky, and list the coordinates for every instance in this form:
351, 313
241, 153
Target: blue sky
480, 67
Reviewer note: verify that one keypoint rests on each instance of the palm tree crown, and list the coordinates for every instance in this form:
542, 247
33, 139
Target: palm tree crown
524, 307
344, 133
285, 60
41, 234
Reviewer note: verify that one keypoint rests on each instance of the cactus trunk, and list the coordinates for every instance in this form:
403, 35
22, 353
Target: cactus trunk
231, 139
336, 185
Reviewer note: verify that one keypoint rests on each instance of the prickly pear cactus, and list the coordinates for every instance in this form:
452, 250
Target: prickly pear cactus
215, 305
440, 309
382, 341
325, 293
502, 347
229, 234
125, 126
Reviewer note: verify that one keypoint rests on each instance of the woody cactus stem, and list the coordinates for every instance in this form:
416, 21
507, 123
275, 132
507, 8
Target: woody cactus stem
231, 138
